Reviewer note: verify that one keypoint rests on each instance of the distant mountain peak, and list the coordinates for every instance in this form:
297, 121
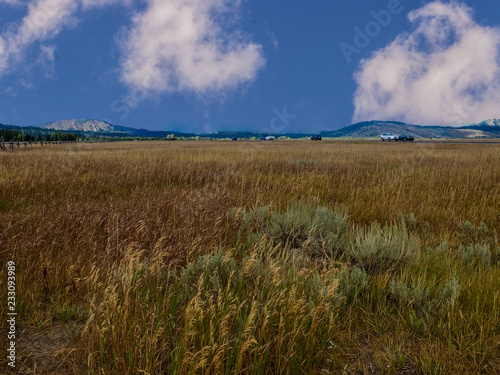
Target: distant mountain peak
491, 122
82, 125
99, 127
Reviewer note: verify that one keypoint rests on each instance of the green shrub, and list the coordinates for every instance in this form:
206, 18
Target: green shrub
482, 229
411, 219
466, 227
380, 248
470, 233
476, 255
315, 230
255, 218
450, 292
416, 296
441, 250
214, 270
352, 283
420, 297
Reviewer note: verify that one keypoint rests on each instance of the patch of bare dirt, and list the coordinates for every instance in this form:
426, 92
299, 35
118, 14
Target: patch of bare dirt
40, 351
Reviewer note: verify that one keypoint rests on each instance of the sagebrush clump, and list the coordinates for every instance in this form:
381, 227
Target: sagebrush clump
379, 248
317, 231
473, 255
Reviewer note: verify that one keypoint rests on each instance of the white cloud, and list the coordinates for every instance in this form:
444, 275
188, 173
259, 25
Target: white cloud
3, 55
273, 39
181, 45
11, 2
445, 71
11, 91
172, 45
88, 4
46, 60
44, 20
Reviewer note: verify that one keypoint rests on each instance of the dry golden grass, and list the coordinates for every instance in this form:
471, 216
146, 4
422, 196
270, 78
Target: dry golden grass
78, 219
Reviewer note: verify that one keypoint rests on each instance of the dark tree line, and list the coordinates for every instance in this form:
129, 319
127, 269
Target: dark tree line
60, 136
15, 135
9, 135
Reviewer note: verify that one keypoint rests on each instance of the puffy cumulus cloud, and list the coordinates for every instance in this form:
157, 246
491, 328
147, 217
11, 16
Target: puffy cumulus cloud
445, 71
172, 45
183, 45
44, 20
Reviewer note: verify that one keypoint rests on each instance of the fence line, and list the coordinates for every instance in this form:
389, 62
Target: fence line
11, 144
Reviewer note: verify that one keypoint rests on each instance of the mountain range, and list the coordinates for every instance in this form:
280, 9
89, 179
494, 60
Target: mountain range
486, 129
98, 127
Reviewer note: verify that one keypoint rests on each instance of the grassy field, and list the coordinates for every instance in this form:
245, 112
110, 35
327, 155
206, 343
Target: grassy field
222, 257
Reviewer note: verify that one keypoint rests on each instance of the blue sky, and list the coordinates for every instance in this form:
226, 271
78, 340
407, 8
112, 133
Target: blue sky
208, 65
